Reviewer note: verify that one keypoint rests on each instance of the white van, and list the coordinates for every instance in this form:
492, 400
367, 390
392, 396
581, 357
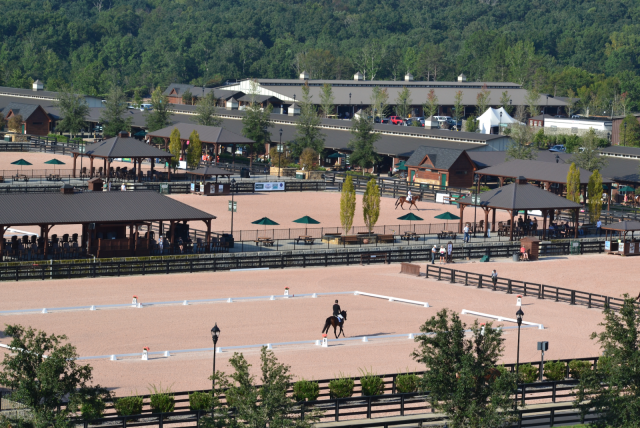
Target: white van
441, 119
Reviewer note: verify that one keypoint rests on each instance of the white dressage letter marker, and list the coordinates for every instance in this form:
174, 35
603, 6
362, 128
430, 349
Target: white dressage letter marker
325, 342
44, 311
113, 358
230, 300
519, 301
145, 355
93, 308
314, 295
317, 343
185, 303
166, 353
411, 336
269, 347
219, 350
272, 298
364, 339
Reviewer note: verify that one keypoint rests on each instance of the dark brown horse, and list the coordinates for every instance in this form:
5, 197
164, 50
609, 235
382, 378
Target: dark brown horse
412, 203
333, 321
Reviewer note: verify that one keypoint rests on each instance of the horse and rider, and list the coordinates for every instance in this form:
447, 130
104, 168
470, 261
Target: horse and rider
410, 199
336, 320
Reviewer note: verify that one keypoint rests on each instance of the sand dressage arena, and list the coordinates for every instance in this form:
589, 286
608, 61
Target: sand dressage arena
176, 326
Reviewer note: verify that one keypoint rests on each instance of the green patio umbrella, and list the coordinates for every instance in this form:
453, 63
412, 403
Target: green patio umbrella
400, 166
336, 156
306, 220
447, 216
626, 189
410, 217
265, 221
21, 162
55, 161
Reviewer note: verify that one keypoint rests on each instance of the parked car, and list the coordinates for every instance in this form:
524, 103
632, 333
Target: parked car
441, 119
557, 148
384, 120
396, 120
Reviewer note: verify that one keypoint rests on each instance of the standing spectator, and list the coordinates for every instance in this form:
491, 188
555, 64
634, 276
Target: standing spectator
466, 233
433, 254
525, 255
494, 278
598, 228
123, 188
108, 186
443, 255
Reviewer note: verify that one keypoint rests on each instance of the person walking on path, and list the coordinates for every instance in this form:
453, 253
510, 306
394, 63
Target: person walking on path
494, 278
433, 254
443, 255
598, 228
466, 233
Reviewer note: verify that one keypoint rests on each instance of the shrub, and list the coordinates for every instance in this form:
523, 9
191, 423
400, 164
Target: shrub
371, 383
554, 370
528, 373
341, 387
577, 369
91, 410
406, 383
200, 401
126, 406
306, 390
161, 400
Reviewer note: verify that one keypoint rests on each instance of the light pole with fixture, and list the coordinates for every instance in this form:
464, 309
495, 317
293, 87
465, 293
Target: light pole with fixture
232, 208
519, 316
350, 110
215, 334
280, 150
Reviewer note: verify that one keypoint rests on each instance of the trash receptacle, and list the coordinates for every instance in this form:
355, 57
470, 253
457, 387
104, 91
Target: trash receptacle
244, 173
228, 239
300, 175
574, 247
7, 137
516, 257
164, 188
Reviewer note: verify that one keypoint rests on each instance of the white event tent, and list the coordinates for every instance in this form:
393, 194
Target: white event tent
491, 118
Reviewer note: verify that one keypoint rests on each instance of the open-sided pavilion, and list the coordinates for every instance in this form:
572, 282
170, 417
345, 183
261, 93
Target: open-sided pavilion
513, 198
121, 147
209, 135
104, 218
210, 171
627, 246
542, 172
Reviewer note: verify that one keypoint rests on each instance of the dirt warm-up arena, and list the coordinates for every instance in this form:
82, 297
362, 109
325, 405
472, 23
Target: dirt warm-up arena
181, 327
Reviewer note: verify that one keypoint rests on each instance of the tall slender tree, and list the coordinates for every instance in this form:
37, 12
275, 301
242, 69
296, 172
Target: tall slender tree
158, 117
483, 100
533, 101
362, 143
505, 103
371, 204
326, 100
308, 133
347, 204
573, 184
379, 101
403, 103
194, 152
206, 110
112, 116
588, 155
458, 107
175, 145
74, 110
521, 146
595, 196
431, 106
256, 123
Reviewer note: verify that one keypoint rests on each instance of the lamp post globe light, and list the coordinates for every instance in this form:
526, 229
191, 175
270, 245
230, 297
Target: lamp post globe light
233, 183
519, 316
215, 334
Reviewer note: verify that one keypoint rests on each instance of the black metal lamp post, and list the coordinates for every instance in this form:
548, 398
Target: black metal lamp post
280, 149
350, 111
500, 127
233, 183
475, 203
519, 316
215, 334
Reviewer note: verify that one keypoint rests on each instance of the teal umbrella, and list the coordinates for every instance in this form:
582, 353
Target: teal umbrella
400, 166
21, 162
447, 216
410, 217
55, 161
336, 156
265, 221
626, 189
306, 220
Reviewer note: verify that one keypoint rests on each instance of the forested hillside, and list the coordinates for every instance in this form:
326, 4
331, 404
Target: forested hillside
589, 47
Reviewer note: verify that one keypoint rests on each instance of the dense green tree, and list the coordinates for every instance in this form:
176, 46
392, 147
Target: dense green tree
308, 134
431, 106
505, 102
458, 107
362, 147
588, 156
74, 110
112, 116
379, 101
256, 123
175, 145
462, 376
206, 110
187, 97
612, 391
43, 374
158, 117
521, 146
573, 184
630, 131
483, 100
594, 192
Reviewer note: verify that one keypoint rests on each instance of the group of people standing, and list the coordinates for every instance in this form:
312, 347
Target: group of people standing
446, 253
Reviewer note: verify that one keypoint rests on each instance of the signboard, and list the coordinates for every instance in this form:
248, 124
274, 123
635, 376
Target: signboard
632, 247
182, 165
193, 187
269, 186
443, 198
233, 206
607, 245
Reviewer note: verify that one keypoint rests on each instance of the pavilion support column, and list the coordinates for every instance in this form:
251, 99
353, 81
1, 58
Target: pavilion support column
75, 159
108, 169
104, 166
216, 153
160, 224
501, 181
47, 228
173, 234
91, 166
166, 144
153, 163
135, 239
83, 238
575, 235
208, 241
233, 155
3, 228
461, 215
609, 190
511, 226
130, 237
493, 220
544, 223
149, 237
486, 220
